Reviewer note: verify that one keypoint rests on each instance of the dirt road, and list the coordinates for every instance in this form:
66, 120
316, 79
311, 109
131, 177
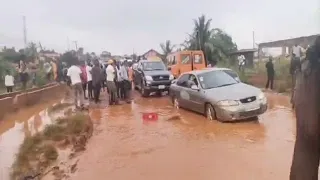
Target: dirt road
126, 147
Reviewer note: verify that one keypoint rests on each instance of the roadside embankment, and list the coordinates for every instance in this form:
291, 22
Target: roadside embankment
13, 101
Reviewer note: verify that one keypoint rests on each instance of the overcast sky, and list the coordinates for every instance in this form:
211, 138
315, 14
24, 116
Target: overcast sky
124, 26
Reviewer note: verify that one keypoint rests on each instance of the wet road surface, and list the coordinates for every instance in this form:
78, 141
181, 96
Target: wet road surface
189, 148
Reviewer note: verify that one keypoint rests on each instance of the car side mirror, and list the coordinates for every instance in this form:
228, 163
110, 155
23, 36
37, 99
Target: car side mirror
173, 81
195, 87
169, 68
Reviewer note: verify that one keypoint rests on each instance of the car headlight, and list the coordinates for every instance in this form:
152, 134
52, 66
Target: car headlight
171, 77
148, 78
262, 97
228, 103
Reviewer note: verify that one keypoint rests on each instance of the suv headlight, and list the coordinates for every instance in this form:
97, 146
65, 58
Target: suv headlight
262, 98
228, 103
148, 78
171, 77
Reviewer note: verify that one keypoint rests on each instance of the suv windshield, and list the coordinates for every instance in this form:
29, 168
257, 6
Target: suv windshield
150, 66
214, 79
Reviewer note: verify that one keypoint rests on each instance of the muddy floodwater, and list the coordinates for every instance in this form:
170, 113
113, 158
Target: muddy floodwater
126, 147
191, 147
14, 127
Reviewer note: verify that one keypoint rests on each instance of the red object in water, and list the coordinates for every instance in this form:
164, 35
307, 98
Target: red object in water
150, 116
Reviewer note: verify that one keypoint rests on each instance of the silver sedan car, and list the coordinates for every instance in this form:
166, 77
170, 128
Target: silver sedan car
218, 95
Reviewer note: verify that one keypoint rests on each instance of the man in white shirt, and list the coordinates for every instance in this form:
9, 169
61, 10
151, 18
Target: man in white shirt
9, 82
74, 72
125, 83
48, 69
112, 89
89, 81
241, 61
297, 50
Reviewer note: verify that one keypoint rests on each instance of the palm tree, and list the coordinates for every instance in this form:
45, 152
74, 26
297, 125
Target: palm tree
215, 43
167, 48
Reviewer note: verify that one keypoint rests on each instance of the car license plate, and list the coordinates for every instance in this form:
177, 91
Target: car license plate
161, 86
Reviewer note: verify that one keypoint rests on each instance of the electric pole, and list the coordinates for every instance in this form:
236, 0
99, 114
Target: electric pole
253, 40
68, 43
76, 44
24, 31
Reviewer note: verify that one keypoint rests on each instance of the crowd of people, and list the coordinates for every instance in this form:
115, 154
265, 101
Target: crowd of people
88, 79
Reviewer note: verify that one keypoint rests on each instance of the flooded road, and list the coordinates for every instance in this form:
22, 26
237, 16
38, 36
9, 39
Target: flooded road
13, 129
126, 147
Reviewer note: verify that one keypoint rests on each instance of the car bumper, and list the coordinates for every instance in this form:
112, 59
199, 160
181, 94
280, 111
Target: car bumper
158, 85
240, 113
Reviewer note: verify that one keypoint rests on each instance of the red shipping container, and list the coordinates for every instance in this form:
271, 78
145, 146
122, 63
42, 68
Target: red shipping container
150, 116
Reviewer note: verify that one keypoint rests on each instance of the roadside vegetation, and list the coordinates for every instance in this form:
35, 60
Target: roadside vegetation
217, 46
38, 152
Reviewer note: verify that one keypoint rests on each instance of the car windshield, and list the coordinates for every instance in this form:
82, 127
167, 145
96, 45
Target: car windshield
231, 73
150, 66
214, 79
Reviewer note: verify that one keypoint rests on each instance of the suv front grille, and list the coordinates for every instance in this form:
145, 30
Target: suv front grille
248, 99
160, 77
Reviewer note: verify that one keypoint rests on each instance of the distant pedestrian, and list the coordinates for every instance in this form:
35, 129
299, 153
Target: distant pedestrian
270, 73
112, 89
125, 83
118, 79
295, 67
9, 81
75, 73
84, 78
48, 69
24, 76
97, 76
89, 81
297, 51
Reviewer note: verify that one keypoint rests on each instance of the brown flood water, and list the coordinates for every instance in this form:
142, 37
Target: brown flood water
125, 147
13, 129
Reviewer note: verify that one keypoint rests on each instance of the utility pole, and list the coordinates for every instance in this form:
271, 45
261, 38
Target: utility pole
253, 40
68, 43
76, 44
24, 31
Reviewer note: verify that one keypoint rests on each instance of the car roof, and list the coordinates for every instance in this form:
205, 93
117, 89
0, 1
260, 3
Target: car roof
196, 72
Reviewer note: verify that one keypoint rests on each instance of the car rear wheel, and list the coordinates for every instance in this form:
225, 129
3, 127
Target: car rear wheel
175, 103
210, 112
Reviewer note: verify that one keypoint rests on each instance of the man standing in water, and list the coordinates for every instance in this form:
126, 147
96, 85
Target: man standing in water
111, 76
305, 161
96, 80
125, 84
270, 73
75, 73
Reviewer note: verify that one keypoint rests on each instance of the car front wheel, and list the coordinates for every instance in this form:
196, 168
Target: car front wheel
144, 92
210, 112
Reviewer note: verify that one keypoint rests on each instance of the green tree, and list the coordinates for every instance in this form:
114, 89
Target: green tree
31, 51
215, 43
167, 48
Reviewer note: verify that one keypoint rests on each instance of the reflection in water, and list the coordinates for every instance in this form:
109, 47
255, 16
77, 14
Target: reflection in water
188, 146
13, 129
37, 122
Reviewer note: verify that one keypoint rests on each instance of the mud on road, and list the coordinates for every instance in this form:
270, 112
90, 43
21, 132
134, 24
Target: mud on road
126, 147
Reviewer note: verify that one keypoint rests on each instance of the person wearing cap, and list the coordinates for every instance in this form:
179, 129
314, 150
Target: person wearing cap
112, 89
